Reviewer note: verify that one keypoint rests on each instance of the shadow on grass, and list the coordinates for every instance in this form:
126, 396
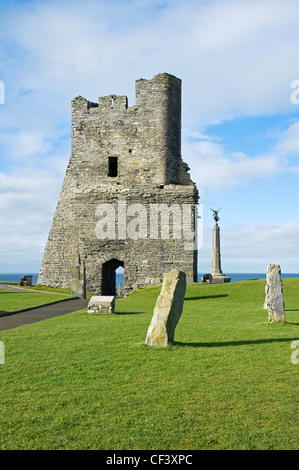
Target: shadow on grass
127, 313
233, 343
206, 297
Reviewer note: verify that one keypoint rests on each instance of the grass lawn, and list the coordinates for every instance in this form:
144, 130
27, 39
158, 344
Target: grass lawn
61, 290
13, 300
85, 381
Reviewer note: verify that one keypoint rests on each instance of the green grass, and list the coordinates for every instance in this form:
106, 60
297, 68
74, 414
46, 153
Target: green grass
10, 283
14, 300
85, 381
60, 290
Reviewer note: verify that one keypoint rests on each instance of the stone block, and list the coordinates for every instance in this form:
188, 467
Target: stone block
168, 309
26, 281
221, 279
101, 304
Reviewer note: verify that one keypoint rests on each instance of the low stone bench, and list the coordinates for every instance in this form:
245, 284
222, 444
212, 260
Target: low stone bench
101, 304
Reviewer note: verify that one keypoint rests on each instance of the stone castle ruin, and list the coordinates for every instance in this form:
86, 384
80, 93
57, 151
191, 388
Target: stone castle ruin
127, 198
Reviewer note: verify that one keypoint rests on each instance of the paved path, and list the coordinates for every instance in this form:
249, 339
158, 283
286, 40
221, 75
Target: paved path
13, 320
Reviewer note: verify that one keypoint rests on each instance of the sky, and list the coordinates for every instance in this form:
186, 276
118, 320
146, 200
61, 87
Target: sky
238, 63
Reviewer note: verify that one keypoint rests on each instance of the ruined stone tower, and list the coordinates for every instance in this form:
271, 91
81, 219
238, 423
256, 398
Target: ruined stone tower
127, 198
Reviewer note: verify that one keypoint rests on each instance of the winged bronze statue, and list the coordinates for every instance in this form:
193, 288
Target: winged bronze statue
215, 214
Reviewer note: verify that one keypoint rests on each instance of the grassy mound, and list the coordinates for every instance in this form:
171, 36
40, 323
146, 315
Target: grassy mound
86, 381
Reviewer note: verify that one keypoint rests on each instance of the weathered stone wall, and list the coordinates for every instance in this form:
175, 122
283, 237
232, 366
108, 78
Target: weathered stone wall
146, 140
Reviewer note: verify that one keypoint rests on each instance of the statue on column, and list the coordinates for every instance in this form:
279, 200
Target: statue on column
216, 272
215, 215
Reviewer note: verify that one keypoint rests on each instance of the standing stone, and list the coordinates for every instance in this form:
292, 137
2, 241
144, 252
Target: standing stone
265, 303
78, 283
274, 301
168, 309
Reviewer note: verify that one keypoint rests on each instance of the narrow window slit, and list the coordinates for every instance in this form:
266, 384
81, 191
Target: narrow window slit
112, 167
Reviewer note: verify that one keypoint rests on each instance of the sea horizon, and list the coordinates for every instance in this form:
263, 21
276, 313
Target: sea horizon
235, 277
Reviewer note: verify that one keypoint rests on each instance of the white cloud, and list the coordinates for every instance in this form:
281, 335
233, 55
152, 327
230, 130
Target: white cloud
288, 142
237, 22
28, 197
25, 143
233, 57
295, 169
215, 168
236, 58
252, 248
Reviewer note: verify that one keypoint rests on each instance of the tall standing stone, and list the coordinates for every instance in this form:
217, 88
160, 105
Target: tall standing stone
168, 309
78, 281
274, 301
216, 272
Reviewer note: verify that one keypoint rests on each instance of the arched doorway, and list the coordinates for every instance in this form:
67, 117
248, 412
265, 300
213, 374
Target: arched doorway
109, 276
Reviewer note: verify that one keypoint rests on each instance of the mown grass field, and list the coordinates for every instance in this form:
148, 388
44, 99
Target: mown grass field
57, 290
85, 381
14, 300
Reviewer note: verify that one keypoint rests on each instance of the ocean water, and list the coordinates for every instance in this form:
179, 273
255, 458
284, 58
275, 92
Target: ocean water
15, 277
235, 277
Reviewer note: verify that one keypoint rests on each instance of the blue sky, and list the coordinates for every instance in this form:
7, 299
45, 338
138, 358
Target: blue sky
240, 133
